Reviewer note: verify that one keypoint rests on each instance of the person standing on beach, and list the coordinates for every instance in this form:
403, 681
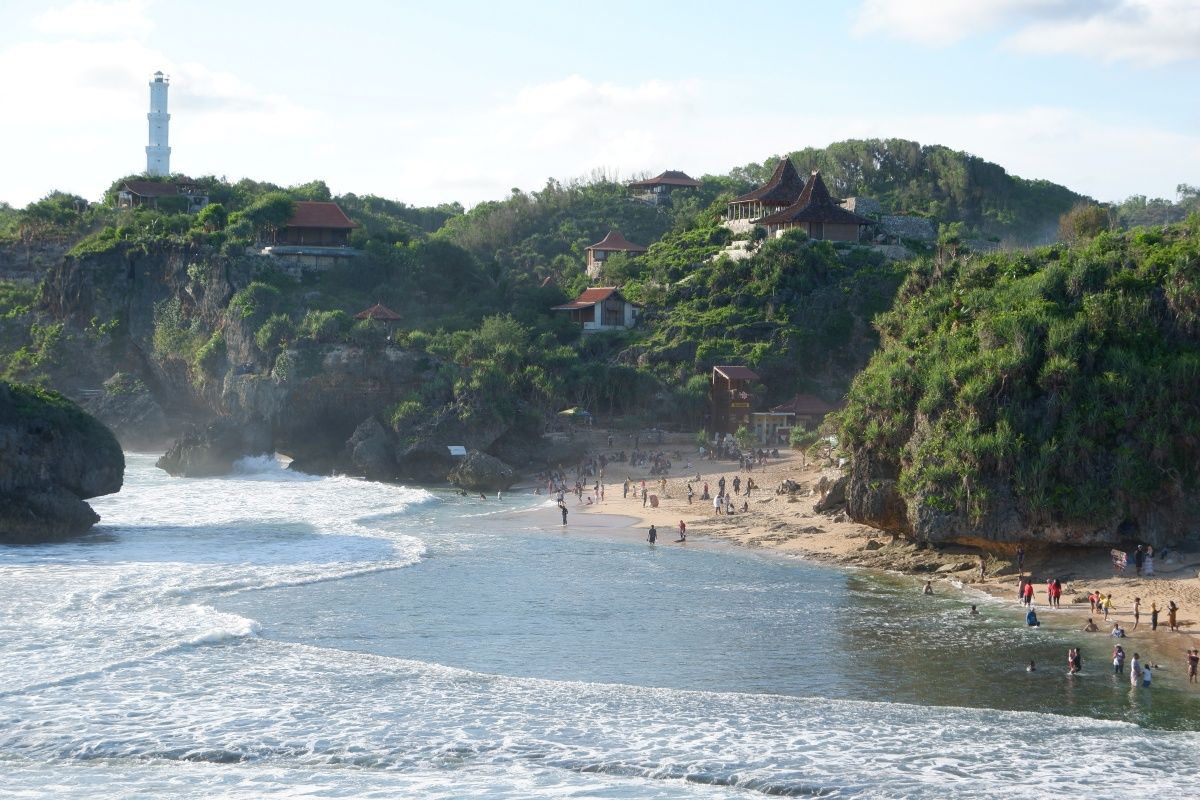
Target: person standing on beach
982, 569
1193, 662
1029, 593
1020, 559
721, 485
1154, 615
1139, 559
652, 537
1137, 611
563, 508
737, 484
1107, 603
690, 492
682, 531
625, 490
1172, 611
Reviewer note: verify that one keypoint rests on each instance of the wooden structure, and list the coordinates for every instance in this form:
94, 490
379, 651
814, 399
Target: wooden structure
805, 411
777, 193
601, 308
148, 193
380, 313
316, 223
614, 242
815, 213
730, 399
657, 190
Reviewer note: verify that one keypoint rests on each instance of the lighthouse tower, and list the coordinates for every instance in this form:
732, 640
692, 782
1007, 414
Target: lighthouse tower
158, 154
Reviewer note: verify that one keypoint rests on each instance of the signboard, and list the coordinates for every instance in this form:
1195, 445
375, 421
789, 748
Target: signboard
1119, 560
739, 405
456, 449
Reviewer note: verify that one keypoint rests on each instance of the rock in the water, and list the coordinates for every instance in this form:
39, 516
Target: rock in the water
372, 451
479, 472
212, 450
130, 411
52, 457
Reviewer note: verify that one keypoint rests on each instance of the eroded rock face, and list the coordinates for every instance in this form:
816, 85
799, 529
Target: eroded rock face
371, 451
53, 456
479, 472
130, 411
213, 449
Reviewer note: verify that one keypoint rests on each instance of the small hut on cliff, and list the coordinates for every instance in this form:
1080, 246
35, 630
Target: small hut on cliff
777, 193
816, 214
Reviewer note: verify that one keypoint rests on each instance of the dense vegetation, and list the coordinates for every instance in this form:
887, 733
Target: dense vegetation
934, 181
1064, 380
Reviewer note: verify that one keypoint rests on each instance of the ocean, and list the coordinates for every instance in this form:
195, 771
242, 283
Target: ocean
273, 634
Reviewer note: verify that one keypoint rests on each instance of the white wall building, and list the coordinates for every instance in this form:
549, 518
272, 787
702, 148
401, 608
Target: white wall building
158, 152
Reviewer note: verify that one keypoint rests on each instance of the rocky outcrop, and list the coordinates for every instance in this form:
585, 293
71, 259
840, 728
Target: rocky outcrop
53, 456
130, 411
213, 449
371, 451
479, 472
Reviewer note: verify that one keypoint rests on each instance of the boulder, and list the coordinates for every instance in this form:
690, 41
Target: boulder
53, 456
371, 451
479, 472
213, 449
835, 498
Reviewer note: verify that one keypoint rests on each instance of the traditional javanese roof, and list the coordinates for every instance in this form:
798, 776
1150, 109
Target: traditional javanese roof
671, 177
378, 312
614, 241
590, 297
804, 405
814, 205
782, 189
315, 214
736, 373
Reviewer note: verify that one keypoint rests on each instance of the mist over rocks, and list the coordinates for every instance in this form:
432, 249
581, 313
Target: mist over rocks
53, 456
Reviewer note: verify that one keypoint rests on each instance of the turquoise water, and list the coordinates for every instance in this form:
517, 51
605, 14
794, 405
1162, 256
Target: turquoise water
282, 635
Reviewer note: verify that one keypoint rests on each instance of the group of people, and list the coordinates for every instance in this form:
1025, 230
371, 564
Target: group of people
652, 534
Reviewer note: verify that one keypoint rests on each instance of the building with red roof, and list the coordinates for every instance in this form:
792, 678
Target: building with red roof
614, 242
600, 308
815, 213
657, 190
321, 224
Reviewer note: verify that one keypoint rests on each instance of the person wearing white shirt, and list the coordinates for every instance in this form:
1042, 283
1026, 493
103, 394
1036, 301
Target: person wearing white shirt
1146, 676
1135, 671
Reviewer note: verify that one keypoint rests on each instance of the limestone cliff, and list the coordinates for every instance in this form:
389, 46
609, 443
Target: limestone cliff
53, 456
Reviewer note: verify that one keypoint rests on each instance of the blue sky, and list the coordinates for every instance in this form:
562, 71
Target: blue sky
433, 102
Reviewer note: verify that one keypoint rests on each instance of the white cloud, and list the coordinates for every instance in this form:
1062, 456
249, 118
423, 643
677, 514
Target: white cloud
91, 19
1147, 32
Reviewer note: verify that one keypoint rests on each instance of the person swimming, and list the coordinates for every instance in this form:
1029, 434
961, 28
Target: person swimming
928, 589
974, 612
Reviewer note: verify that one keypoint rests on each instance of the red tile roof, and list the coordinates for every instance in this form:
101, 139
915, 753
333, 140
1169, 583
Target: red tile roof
616, 242
671, 177
737, 373
782, 189
805, 404
378, 312
314, 214
589, 298
814, 205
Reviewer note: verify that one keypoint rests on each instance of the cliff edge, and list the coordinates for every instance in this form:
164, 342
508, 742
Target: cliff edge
53, 456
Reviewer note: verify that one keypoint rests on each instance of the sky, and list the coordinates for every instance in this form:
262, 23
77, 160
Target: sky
432, 102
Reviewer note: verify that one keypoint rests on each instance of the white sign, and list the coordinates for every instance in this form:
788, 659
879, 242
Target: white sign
456, 449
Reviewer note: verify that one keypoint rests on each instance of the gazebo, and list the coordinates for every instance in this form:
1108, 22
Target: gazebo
658, 189
380, 313
777, 193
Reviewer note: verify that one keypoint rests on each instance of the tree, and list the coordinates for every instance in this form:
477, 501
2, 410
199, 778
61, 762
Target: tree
744, 437
213, 217
1083, 221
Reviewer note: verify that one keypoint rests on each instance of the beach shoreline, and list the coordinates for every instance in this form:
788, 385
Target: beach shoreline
788, 525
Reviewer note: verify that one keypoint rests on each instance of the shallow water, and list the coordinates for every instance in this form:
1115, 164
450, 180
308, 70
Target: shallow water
273, 634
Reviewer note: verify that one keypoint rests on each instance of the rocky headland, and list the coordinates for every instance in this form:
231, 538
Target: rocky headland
53, 457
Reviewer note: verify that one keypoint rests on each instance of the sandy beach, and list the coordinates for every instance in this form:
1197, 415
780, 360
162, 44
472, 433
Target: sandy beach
788, 524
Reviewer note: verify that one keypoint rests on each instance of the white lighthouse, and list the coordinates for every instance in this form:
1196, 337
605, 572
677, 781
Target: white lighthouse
158, 153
